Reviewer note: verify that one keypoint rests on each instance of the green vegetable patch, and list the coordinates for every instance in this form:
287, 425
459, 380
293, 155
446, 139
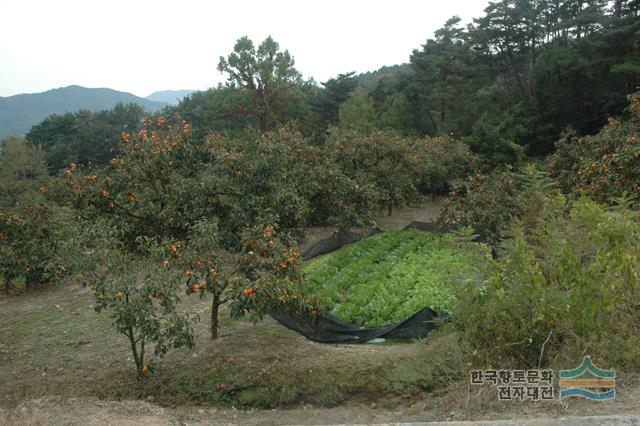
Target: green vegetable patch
389, 277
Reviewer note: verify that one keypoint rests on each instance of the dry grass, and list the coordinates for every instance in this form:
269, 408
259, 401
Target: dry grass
54, 344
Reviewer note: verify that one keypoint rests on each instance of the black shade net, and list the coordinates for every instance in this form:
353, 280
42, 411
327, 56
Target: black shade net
329, 329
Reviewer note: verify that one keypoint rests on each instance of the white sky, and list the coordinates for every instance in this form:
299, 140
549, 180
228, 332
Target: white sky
142, 46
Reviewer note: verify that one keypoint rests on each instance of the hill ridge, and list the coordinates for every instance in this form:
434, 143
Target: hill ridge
19, 112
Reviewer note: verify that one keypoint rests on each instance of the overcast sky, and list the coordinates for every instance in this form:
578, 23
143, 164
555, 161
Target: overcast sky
143, 46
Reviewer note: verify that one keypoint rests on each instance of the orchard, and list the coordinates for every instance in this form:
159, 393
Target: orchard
488, 190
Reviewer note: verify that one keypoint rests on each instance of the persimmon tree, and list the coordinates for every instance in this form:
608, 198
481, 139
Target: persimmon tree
140, 290
393, 170
438, 162
382, 158
264, 277
157, 188
287, 181
31, 233
31, 225
275, 177
603, 166
139, 212
165, 190
344, 200
487, 203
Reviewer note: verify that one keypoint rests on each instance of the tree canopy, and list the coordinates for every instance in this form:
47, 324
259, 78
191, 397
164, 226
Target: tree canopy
266, 74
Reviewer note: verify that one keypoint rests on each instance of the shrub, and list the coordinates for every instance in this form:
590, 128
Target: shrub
488, 203
603, 166
564, 287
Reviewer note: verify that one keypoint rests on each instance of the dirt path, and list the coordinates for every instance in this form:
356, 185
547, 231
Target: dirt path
97, 412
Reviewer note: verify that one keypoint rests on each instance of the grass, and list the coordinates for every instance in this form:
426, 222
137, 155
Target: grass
316, 374
53, 344
16, 286
389, 277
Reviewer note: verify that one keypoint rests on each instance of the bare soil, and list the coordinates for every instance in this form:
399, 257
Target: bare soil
91, 411
425, 212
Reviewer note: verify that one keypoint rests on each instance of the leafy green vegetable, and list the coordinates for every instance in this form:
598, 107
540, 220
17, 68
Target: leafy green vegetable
389, 277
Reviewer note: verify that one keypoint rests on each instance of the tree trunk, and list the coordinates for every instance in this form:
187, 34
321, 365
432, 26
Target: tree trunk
263, 124
494, 252
33, 279
214, 316
7, 285
134, 350
264, 120
617, 9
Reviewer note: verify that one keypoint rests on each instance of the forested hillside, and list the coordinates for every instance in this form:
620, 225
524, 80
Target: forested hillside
170, 97
18, 113
516, 77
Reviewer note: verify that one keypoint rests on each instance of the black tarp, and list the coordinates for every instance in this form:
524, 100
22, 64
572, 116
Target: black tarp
421, 226
339, 240
333, 243
329, 329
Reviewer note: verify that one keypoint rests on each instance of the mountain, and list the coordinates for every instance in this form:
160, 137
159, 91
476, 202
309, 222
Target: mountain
169, 96
369, 80
18, 113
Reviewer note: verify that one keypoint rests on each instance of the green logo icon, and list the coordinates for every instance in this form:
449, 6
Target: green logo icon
598, 385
